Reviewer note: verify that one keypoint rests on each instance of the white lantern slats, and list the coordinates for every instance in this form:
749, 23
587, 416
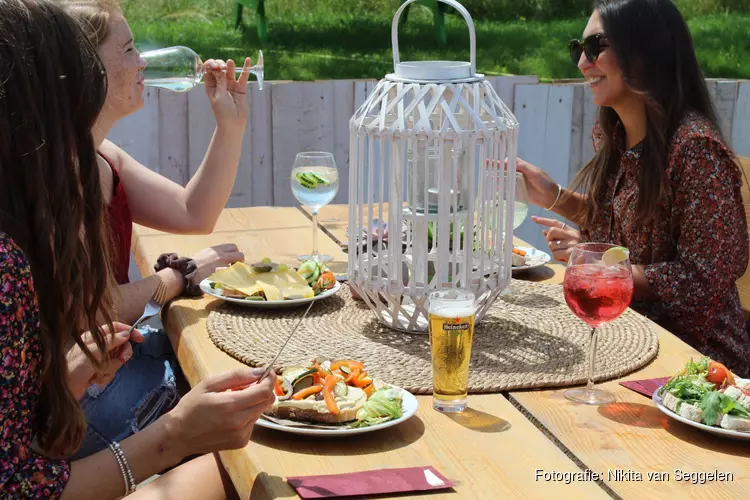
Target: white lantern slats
430, 142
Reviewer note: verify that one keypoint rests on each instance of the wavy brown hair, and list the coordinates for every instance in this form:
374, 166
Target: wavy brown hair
94, 17
655, 53
52, 87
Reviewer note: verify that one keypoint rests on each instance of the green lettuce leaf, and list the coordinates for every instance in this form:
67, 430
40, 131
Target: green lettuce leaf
382, 406
689, 388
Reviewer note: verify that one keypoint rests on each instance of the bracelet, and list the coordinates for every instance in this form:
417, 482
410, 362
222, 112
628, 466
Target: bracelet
185, 266
559, 191
122, 462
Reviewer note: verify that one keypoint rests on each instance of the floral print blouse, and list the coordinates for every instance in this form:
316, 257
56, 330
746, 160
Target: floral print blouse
23, 473
696, 247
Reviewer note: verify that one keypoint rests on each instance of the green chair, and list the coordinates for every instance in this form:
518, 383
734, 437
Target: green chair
438, 11
260, 15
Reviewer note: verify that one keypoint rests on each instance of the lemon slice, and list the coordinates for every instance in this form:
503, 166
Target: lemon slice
615, 255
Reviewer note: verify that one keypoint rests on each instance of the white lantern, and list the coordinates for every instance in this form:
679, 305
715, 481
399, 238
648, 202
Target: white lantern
428, 147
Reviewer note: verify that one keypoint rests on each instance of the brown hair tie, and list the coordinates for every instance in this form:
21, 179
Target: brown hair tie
185, 266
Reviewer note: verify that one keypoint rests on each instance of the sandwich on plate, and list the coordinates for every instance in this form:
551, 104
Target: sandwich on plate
334, 392
705, 391
269, 281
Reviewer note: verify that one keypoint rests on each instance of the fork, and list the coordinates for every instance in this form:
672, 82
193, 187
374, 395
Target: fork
153, 306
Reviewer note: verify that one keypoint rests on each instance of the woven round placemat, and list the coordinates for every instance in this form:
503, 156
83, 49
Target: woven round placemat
529, 338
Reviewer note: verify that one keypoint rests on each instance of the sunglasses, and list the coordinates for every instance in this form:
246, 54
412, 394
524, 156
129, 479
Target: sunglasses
592, 46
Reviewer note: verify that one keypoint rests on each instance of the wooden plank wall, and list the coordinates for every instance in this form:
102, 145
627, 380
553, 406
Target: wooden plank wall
172, 131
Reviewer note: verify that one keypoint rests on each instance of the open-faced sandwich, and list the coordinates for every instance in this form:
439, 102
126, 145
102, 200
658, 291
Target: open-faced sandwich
706, 392
267, 280
334, 392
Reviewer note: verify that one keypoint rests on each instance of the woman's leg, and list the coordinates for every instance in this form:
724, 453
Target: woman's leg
203, 477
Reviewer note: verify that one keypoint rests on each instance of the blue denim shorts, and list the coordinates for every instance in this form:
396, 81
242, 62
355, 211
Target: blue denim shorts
142, 390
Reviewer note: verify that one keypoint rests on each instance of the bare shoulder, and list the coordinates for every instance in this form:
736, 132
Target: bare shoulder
121, 160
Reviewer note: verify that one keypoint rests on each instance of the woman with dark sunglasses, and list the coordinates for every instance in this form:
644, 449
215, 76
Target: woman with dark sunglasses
662, 182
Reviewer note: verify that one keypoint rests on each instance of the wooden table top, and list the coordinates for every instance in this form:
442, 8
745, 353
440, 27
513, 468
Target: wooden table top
497, 448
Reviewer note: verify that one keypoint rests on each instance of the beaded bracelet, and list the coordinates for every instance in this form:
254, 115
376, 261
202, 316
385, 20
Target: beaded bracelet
559, 191
122, 462
185, 266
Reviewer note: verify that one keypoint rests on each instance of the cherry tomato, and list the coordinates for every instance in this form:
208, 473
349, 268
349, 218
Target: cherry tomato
718, 373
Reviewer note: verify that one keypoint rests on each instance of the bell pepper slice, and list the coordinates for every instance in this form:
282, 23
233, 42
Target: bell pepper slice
349, 363
328, 396
369, 389
362, 381
321, 371
278, 390
313, 389
353, 375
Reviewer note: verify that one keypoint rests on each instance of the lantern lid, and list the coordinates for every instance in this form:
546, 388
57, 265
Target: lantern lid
435, 71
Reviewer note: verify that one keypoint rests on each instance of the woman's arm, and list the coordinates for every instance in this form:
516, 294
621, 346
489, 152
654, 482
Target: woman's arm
130, 299
712, 249
161, 204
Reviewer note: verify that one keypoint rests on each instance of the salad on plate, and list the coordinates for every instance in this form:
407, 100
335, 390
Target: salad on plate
707, 392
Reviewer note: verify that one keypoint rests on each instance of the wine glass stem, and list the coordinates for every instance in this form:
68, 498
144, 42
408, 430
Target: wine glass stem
592, 360
315, 234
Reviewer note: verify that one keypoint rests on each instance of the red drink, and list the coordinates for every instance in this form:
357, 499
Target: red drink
597, 293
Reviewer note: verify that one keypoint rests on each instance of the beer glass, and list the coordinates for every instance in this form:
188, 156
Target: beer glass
451, 314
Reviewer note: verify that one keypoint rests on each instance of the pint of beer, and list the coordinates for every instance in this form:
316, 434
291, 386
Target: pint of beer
451, 334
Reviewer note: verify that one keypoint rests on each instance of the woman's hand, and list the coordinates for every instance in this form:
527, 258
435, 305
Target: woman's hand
208, 259
219, 413
560, 237
541, 188
227, 94
82, 372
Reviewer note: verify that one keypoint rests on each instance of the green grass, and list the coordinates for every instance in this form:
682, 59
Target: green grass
330, 39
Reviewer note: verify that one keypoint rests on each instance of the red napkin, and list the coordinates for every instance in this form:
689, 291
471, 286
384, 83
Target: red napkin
371, 482
645, 387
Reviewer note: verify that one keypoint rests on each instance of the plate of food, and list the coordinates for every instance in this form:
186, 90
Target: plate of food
706, 395
335, 398
525, 258
268, 284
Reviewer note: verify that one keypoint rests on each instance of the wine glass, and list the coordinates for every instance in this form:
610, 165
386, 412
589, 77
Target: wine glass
598, 287
315, 182
180, 68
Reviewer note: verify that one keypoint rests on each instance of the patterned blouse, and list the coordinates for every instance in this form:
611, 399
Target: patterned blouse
697, 246
23, 473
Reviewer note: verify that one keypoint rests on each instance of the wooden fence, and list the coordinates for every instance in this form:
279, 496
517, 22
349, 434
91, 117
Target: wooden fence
172, 131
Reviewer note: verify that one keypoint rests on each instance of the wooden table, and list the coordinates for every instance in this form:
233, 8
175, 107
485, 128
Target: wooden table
497, 448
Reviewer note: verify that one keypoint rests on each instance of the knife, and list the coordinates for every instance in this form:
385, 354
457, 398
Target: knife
270, 365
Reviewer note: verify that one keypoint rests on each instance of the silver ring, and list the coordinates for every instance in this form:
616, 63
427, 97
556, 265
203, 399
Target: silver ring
563, 226
557, 242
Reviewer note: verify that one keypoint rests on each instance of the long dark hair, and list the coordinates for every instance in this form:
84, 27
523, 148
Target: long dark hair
52, 87
655, 53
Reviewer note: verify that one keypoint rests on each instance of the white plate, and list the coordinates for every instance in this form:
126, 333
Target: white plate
206, 288
534, 258
409, 407
657, 399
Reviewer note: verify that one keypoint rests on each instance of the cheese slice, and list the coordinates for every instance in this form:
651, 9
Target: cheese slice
275, 285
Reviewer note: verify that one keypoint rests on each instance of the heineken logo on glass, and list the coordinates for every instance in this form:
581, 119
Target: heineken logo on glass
452, 327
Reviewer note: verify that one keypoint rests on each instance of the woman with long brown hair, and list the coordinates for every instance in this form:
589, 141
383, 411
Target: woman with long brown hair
147, 386
54, 279
662, 183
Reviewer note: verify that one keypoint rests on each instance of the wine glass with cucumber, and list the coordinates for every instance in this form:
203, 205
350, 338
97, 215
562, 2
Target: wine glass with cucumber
315, 182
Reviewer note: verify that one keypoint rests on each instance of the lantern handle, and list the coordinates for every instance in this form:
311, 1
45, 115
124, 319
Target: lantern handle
453, 3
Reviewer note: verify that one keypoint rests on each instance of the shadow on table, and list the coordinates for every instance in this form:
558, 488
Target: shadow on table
500, 346
479, 421
537, 274
392, 438
635, 414
646, 416
268, 486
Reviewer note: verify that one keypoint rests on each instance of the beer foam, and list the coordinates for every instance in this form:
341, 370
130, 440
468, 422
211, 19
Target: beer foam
452, 311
